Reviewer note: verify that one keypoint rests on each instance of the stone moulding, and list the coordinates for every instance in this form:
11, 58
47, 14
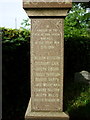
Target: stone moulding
41, 8
53, 4
30, 115
47, 26
46, 12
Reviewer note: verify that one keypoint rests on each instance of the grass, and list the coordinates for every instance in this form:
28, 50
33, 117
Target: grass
77, 100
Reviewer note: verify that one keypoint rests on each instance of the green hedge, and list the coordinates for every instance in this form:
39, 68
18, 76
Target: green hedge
77, 55
77, 100
15, 36
16, 74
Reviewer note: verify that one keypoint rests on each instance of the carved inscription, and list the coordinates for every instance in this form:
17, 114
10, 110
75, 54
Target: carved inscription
46, 64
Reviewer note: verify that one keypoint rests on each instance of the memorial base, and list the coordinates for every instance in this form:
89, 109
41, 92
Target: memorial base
44, 115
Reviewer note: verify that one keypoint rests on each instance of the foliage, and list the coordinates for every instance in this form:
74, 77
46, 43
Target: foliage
77, 100
76, 55
77, 22
85, 4
16, 74
25, 23
15, 69
14, 35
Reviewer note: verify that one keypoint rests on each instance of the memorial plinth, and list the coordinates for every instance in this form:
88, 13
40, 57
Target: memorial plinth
47, 51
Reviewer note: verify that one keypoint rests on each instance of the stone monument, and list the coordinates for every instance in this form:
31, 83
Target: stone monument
47, 44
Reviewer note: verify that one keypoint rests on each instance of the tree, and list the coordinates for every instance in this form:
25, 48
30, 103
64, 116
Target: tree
26, 23
77, 21
85, 4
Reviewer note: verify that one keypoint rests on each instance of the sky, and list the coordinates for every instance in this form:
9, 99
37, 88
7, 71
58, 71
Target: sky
11, 13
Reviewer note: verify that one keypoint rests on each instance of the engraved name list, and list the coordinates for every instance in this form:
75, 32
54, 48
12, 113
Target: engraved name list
46, 59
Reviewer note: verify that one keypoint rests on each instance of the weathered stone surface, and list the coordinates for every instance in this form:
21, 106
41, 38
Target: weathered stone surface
47, 4
52, 8
47, 17
83, 76
46, 12
44, 115
47, 65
